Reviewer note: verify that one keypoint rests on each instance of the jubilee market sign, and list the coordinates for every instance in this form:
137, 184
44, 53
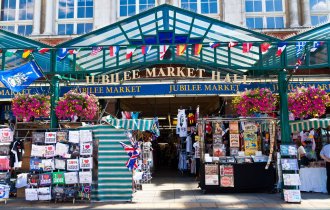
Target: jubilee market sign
201, 83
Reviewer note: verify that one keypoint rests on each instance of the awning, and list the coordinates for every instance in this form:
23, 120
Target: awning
297, 126
132, 124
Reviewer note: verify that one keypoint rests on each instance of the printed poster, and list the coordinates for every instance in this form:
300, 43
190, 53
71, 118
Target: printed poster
72, 165
227, 181
234, 140
250, 126
233, 127
6, 135
288, 150
74, 137
226, 176
48, 164
211, 175
291, 179
37, 151
85, 177
250, 143
86, 148
292, 196
234, 151
71, 177
289, 164
58, 178
226, 170
45, 179
85, 136
217, 128
218, 150
31, 194
50, 137
44, 193
86, 163
49, 151
217, 139
62, 136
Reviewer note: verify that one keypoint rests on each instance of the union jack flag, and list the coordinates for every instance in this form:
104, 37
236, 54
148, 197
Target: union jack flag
133, 154
95, 50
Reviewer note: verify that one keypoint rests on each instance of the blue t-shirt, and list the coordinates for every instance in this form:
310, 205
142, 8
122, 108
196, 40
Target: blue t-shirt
326, 151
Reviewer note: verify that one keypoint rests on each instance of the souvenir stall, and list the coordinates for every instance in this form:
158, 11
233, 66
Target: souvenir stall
313, 176
124, 161
236, 154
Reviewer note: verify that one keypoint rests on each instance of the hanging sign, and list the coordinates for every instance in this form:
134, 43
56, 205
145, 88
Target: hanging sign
86, 163
74, 137
86, 148
50, 137
72, 165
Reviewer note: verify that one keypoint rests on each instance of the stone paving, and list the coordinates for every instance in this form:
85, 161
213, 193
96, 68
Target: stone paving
181, 192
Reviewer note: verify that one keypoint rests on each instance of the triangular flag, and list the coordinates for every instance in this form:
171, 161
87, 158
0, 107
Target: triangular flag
113, 50
61, 53
43, 50
264, 47
197, 49
130, 51
96, 50
180, 49
26, 53
214, 45
280, 48
145, 49
74, 51
247, 47
232, 44
316, 45
162, 51
10, 53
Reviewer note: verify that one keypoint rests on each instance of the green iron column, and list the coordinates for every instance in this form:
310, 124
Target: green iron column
284, 109
54, 91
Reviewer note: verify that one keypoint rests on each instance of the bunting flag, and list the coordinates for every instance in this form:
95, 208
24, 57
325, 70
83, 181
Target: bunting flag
247, 47
129, 51
197, 49
264, 47
214, 45
162, 51
232, 44
300, 46
62, 53
113, 51
96, 50
180, 49
43, 50
133, 153
280, 48
74, 51
145, 49
26, 53
300, 60
316, 45
10, 53
21, 77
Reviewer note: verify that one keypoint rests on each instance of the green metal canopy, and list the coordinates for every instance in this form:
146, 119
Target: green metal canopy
169, 25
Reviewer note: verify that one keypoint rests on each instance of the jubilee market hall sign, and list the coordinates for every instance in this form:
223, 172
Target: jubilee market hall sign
201, 83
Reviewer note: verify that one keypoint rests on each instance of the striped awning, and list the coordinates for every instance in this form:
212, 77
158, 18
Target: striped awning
130, 124
297, 126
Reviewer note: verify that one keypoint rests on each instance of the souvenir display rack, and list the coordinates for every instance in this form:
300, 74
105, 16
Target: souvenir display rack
236, 154
60, 163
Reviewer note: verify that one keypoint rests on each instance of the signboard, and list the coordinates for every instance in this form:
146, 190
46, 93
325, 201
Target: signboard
194, 88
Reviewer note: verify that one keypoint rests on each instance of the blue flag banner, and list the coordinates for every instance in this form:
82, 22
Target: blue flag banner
20, 78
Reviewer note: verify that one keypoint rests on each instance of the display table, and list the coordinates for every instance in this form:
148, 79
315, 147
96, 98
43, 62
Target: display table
248, 177
313, 180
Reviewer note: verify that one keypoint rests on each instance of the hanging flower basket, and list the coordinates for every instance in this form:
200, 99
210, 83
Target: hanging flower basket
255, 101
27, 106
74, 104
308, 102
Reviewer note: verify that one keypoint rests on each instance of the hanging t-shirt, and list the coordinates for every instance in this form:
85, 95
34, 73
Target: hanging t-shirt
6, 135
16, 152
135, 115
45, 179
196, 145
191, 118
188, 144
181, 127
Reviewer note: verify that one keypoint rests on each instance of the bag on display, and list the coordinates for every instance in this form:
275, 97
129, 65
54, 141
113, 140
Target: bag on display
45, 179
85, 177
49, 151
31, 194
37, 151
85, 192
22, 180
74, 137
58, 178
44, 193
48, 164
62, 136
35, 164
86, 163
4, 191
4, 178
60, 164
50, 137
4, 150
58, 193
72, 165
4, 163
70, 192
6, 135
38, 137
85, 136
71, 177
86, 148
33, 180
62, 149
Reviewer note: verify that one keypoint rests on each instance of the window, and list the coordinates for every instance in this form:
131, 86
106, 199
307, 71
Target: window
17, 16
265, 13
320, 10
74, 16
201, 6
254, 22
132, 7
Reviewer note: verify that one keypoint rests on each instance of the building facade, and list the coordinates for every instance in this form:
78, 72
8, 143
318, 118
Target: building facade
54, 21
